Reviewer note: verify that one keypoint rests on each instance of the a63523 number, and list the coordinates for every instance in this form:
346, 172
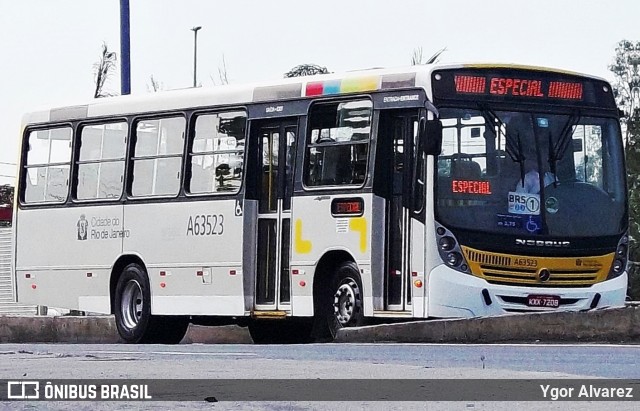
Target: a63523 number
205, 224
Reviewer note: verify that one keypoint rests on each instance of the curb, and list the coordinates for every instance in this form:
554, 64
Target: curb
616, 325
101, 330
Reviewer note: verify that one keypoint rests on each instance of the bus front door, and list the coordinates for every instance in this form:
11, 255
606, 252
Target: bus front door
276, 146
398, 135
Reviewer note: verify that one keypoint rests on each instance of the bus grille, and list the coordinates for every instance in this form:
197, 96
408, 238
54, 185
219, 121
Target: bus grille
524, 271
489, 259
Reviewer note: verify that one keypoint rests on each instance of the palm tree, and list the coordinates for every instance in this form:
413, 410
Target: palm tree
416, 58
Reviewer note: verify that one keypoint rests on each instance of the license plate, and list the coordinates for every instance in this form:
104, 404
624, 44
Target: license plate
548, 301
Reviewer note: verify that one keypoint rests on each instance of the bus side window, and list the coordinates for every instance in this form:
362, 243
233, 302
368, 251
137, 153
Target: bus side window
338, 145
217, 153
100, 162
157, 159
48, 164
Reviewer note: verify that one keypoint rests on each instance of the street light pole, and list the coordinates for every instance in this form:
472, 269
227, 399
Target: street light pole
195, 54
125, 49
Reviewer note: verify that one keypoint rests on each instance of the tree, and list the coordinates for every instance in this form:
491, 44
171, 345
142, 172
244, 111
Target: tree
417, 57
632, 152
626, 90
306, 70
222, 72
103, 69
223, 78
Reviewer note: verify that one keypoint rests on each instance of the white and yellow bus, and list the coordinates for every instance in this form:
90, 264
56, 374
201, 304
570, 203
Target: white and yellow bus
308, 204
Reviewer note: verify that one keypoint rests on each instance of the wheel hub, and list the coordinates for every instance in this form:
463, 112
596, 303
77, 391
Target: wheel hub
345, 301
132, 304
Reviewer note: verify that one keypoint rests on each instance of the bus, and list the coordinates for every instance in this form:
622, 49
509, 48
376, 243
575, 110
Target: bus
304, 205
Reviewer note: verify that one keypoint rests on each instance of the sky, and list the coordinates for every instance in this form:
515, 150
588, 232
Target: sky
48, 47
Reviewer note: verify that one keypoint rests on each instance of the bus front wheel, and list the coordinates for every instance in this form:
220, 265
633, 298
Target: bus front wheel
339, 303
133, 312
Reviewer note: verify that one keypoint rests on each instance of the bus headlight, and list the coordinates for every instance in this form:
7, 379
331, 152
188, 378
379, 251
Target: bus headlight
619, 264
449, 250
447, 243
454, 259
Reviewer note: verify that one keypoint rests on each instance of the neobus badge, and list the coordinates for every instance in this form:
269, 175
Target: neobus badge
541, 243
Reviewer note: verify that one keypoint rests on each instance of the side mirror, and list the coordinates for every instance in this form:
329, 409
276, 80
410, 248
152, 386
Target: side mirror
431, 136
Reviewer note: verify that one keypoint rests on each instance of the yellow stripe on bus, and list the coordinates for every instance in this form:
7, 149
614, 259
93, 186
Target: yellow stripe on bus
301, 246
360, 225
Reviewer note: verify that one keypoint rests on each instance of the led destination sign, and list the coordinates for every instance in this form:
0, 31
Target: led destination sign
471, 187
514, 85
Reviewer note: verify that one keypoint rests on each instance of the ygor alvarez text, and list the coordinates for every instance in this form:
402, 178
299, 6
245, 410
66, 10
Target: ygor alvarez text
585, 391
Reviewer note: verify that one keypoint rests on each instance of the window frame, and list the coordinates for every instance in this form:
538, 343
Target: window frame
190, 154
77, 161
24, 166
308, 145
131, 158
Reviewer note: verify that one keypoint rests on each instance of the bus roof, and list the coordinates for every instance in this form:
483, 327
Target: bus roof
288, 88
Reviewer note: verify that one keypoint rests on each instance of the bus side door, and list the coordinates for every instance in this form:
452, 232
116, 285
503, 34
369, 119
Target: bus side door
274, 149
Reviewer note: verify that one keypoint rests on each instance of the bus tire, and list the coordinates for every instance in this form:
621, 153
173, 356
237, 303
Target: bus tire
132, 305
339, 303
132, 302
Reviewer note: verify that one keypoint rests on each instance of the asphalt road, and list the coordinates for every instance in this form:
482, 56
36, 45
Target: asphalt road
324, 361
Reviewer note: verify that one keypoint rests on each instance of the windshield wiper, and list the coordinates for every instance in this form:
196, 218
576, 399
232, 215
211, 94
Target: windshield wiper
556, 152
515, 152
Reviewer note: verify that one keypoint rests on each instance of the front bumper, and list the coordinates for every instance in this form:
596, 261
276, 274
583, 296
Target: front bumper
452, 294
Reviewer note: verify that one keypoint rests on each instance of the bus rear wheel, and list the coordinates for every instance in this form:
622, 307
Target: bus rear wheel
134, 321
339, 303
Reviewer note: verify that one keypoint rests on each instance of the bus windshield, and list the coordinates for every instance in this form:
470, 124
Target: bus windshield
531, 173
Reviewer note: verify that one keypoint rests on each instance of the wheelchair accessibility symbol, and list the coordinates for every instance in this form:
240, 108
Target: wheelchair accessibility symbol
532, 225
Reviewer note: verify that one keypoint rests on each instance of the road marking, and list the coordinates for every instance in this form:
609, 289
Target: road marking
217, 354
540, 344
